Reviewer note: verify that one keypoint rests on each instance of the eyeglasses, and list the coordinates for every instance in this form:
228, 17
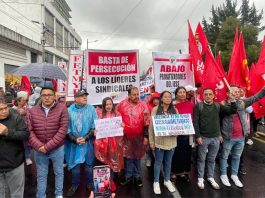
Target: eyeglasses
47, 95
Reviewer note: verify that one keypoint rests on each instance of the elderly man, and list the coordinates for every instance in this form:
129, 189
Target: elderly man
136, 118
48, 123
79, 145
13, 131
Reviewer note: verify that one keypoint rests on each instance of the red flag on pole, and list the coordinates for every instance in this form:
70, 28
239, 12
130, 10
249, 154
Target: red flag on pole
219, 63
213, 77
25, 84
257, 75
238, 70
201, 39
197, 62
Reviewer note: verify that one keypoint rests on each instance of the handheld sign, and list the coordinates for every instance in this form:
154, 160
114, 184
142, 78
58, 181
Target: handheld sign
108, 127
173, 125
102, 184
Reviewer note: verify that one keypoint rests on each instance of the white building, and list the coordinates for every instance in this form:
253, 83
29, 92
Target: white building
31, 28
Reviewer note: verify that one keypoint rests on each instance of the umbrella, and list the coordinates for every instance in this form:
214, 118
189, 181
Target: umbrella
41, 70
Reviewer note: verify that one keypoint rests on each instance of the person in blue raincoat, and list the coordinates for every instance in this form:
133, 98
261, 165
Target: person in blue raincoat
79, 146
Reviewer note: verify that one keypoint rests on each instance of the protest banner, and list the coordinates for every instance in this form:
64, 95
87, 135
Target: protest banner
147, 81
108, 127
75, 76
173, 125
62, 84
110, 74
172, 70
102, 183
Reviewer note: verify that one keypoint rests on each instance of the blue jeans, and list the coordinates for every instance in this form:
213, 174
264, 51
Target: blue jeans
234, 147
27, 152
133, 168
76, 174
210, 149
42, 164
160, 155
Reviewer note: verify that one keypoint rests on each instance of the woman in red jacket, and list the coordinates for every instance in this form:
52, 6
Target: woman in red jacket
110, 150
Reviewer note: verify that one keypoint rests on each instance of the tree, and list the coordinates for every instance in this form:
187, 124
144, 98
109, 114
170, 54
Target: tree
220, 29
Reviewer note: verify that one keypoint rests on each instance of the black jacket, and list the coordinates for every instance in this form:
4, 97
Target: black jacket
11, 146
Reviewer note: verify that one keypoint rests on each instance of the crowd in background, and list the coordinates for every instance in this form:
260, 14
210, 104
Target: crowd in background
47, 126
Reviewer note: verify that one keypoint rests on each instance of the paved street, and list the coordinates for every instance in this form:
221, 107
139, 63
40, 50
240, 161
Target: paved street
253, 181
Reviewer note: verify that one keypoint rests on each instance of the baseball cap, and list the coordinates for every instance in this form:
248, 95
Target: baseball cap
81, 93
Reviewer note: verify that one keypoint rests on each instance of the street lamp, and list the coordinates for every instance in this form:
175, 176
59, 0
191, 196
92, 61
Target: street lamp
90, 42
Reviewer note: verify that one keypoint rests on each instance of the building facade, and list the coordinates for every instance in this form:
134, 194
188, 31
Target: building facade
34, 31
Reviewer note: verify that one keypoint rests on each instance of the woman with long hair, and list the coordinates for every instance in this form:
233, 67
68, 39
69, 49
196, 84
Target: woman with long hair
163, 146
110, 150
181, 161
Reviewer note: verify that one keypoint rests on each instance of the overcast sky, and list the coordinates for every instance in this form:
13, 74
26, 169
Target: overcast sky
147, 25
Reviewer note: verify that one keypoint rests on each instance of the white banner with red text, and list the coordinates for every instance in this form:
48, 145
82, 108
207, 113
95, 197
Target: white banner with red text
61, 89
110, 74
76, 74
172, 70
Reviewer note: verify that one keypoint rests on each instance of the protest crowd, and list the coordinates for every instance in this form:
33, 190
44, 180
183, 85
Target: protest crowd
39, 127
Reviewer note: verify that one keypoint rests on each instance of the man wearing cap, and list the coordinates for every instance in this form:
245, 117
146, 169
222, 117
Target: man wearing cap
48, 122
79, 144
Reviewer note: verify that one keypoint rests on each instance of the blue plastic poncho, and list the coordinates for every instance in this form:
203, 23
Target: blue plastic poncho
81, 121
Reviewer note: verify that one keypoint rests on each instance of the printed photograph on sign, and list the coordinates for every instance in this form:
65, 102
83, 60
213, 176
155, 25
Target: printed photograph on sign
102, 184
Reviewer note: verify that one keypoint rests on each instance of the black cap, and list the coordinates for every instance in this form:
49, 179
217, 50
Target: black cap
80, 93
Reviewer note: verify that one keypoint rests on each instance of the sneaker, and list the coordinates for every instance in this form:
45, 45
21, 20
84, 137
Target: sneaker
60, 196
213, 183
169, 186
243, 171
126, 181
138, 181
71, 191
225, 180
200, 183
157, 188
148, 163
28, 161
236, 181
249, 142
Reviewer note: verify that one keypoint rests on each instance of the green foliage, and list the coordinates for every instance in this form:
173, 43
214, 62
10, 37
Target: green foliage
220, 29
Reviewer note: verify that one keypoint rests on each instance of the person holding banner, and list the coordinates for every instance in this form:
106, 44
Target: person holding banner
163, 146
79, 145
183, 150
208, 133
109, 150
135, 116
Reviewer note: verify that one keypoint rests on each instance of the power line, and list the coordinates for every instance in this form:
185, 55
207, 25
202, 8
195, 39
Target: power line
17, 20
125, 35
21, 14
120, 24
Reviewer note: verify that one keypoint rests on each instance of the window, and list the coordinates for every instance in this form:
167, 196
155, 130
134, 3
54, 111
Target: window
48, 57
49, 28
59, 36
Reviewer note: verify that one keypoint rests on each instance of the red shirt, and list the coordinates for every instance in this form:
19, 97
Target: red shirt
237, 131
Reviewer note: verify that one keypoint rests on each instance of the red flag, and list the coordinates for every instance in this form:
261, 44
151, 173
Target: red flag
213, 77
238, 70
25, 84
257, 79
201, 39
55, 84
197, 62
219, 63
